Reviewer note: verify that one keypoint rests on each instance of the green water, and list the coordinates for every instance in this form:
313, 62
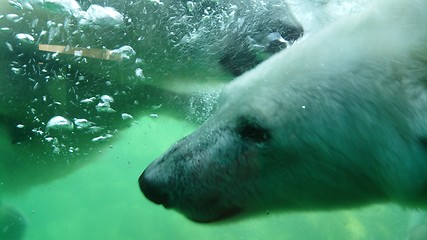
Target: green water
101, 200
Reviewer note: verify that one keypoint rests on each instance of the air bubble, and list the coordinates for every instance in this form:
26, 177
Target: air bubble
126, 116
102, 16
106, 99
104, 105
88, 100
82, 123
157, 2
95, 129
58, 124
125, 52
190, 6
9, 46
14, 17
102, 138
139, 73
16, 71
16, 4
62, 6
25, 38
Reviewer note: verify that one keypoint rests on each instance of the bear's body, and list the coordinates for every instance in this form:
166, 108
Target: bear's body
337, 120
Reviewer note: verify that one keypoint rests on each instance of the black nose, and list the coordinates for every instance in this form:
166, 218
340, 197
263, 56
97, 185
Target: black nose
153, 190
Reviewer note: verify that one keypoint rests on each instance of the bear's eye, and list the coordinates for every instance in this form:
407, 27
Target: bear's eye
250, 130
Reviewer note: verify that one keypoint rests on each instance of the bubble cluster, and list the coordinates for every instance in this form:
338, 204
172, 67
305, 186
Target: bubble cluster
202, 105
77, 71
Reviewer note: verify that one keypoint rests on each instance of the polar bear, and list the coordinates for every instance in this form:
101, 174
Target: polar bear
337, 120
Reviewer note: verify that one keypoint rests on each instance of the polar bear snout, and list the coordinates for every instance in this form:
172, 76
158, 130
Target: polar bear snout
152, 189
202, 206
198, 173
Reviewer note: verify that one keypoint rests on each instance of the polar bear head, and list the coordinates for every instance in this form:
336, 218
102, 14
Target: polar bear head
337, 120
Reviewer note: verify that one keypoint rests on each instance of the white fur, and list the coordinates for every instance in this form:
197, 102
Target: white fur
346, 114
359, 82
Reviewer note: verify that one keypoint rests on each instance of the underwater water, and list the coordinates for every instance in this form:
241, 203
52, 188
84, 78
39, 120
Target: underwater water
101, 200
67, 60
